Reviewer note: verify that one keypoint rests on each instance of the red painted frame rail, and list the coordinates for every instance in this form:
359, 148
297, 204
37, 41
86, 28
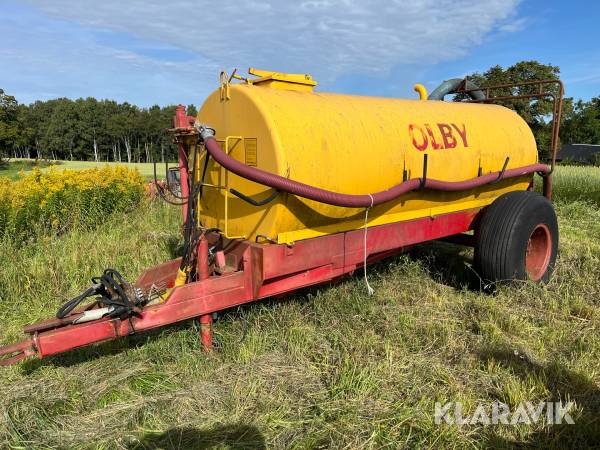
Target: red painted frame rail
263, 271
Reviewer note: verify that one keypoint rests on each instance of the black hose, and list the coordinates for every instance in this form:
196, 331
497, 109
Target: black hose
190, 235
161, 192
204, 169
110, 289
501, 174
68, 307
253, 202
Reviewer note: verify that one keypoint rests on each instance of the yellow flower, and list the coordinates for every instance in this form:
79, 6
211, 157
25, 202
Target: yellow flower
63, 196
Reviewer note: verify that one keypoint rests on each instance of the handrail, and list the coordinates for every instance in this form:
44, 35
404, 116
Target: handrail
557, 104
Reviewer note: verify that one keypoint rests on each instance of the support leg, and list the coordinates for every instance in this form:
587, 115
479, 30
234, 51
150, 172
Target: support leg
202, 263
206, 332
203, 274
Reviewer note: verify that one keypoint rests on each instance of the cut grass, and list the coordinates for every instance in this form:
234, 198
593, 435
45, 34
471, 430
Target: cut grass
18, 165
14, 167
329, 367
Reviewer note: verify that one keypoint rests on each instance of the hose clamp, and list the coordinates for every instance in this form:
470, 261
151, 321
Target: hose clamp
204, 131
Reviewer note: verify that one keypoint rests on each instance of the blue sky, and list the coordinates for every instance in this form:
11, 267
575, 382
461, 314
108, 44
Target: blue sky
156, 52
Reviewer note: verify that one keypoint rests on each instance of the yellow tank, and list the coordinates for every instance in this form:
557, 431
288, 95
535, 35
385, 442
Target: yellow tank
350, 144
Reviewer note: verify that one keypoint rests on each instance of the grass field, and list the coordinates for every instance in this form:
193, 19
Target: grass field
17, 165
329, 367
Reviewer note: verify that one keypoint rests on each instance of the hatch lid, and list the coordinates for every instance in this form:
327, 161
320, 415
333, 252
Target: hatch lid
278, 80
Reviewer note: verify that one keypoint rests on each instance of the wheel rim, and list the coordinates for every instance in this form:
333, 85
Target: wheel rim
539, 250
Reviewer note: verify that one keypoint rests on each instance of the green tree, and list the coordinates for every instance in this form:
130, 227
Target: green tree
582, 125
536, 112
22, 144
191, 110
9, 124
90, 129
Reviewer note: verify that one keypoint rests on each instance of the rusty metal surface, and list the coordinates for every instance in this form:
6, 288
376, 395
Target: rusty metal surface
12, 354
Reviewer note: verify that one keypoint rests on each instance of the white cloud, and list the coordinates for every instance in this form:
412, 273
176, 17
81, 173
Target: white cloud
325, 37
514, 25
45, 58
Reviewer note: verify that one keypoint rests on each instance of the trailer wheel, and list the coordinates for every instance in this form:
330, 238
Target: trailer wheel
517, 238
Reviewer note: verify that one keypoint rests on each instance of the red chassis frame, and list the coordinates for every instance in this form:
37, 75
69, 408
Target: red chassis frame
266, 270
262, 271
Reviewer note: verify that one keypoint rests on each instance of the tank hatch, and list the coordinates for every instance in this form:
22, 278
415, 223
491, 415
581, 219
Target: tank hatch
277, 80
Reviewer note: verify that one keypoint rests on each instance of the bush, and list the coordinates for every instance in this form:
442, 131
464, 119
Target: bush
55, 201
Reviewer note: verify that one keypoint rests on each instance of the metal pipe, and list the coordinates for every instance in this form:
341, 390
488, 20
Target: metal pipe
206, 332
203, 274
557, 100
421, 90
349, 200
452, 87
202, 262
182, 121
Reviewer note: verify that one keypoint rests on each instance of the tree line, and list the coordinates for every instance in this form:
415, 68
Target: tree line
104, 130
86, 129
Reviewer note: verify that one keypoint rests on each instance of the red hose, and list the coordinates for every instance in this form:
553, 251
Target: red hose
356, 201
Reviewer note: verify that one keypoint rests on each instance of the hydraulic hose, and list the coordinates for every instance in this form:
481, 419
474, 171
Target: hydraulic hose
349, 200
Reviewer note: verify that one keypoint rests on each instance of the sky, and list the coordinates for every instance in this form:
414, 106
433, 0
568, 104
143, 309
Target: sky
150, 52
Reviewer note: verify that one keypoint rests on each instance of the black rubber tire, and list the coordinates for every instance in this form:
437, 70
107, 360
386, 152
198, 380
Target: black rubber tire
503, 234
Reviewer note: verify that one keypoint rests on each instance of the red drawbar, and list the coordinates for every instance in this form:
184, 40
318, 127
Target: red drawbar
262, 271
